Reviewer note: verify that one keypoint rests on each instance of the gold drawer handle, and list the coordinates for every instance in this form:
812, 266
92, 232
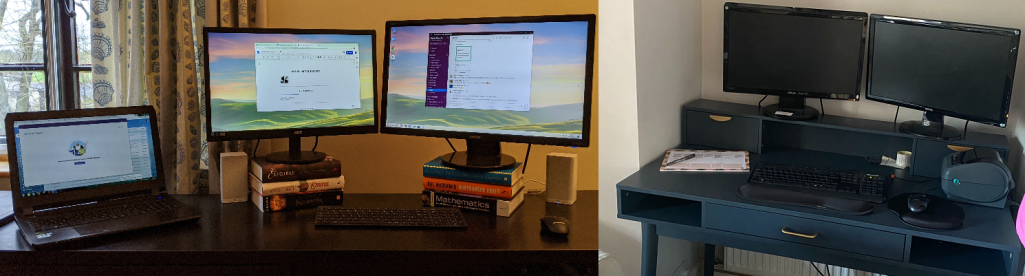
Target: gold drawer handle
718, 118
958, 148
788, 232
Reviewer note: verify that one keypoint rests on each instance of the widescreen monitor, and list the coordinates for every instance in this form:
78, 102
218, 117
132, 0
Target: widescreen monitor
943, 68
289, 83
490, 80
794, 53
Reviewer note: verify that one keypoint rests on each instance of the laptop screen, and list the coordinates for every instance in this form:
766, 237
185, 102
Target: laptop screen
67, 154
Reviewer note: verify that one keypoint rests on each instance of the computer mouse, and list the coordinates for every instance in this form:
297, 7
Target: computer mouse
918, 203
555, 224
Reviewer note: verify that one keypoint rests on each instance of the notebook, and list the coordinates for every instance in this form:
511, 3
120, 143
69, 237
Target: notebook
84, 173
706, 160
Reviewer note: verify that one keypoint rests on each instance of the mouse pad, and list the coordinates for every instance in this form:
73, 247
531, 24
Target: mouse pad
942, 214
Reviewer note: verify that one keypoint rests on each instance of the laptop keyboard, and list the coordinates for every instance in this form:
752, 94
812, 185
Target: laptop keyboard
97, 214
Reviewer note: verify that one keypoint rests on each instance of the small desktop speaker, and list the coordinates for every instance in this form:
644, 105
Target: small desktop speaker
561, 178
234, 177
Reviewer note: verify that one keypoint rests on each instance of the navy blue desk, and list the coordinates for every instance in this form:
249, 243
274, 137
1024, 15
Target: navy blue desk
704, 206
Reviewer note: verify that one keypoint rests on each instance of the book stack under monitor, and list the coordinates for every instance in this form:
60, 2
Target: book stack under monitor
496, 192
281, 187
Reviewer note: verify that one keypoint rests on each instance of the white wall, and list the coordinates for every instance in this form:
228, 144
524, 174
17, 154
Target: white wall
668, 53
651, 66
617, 119
668, 41
1004, 13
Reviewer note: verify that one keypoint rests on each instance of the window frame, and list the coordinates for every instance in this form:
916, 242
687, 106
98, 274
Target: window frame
68, 45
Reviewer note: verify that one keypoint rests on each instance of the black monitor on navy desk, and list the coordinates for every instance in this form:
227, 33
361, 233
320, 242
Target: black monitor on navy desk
490, 80
793, 53
289, 83
943, 68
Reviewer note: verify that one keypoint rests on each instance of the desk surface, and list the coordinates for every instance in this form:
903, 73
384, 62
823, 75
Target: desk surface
983, 226
281, 237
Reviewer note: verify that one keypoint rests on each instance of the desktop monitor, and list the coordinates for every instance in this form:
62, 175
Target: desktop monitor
490, 80
793, 53
289, 83
943, 68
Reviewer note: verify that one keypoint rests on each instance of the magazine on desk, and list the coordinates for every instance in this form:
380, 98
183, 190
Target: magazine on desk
706, 160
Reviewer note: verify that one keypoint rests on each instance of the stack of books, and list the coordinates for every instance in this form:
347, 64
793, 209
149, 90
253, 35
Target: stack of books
495, 192
280, 187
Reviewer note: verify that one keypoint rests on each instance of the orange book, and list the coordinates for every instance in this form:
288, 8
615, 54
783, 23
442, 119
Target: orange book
472, 188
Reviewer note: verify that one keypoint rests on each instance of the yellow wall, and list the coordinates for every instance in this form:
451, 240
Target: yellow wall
379, 163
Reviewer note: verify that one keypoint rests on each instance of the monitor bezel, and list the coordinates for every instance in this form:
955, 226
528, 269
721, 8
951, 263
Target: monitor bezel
85, 195
954, 26
585, 139
729, 7
288, 132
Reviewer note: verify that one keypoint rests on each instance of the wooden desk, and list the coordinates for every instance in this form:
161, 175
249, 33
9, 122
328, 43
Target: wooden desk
237, 239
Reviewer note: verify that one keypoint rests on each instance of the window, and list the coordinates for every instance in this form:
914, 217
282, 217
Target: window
23, 82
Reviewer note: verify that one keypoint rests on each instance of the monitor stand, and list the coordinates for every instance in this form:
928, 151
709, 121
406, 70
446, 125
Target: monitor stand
931, 126
295, 155
791, 108
479, 156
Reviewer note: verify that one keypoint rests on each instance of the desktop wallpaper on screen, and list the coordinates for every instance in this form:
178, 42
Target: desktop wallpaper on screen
555, 91
309, 94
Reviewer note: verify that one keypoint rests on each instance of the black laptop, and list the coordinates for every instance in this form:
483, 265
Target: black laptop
83, 173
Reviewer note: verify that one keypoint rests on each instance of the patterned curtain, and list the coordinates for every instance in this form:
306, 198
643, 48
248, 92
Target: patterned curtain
162, 68
114, 81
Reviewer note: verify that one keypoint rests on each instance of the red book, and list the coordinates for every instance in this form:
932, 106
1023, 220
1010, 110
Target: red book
472, 188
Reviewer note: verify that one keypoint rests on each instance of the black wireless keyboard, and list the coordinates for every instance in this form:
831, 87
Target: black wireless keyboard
833, 183
427, 217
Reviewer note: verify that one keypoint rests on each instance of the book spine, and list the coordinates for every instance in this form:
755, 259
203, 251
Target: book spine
480, 177
457, 186
269, 173
276, 203
300, 186
435, 199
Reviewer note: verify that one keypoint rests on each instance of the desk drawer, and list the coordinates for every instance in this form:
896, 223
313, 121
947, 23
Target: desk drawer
724, 132
806, 231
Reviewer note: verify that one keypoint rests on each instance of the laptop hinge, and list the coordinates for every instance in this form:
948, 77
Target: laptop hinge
26, 211
156, 191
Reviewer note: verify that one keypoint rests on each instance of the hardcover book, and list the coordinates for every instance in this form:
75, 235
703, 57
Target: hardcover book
298, 186
436, 169
491, 205
268, 172
473, 188
274, 203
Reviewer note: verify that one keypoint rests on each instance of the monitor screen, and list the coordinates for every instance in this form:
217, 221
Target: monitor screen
960, 72
504, 79
262, 80
812, 54
61, 155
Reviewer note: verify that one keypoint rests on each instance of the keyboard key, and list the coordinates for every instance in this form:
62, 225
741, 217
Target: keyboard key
431, 217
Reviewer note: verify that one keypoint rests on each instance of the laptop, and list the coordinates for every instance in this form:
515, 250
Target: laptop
84, 173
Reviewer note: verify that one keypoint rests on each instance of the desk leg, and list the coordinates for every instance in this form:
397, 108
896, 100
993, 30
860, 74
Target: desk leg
709, 259
649, 249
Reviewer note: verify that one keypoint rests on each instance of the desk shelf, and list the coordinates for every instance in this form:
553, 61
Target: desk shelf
660, 208
958, 257
742, 127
